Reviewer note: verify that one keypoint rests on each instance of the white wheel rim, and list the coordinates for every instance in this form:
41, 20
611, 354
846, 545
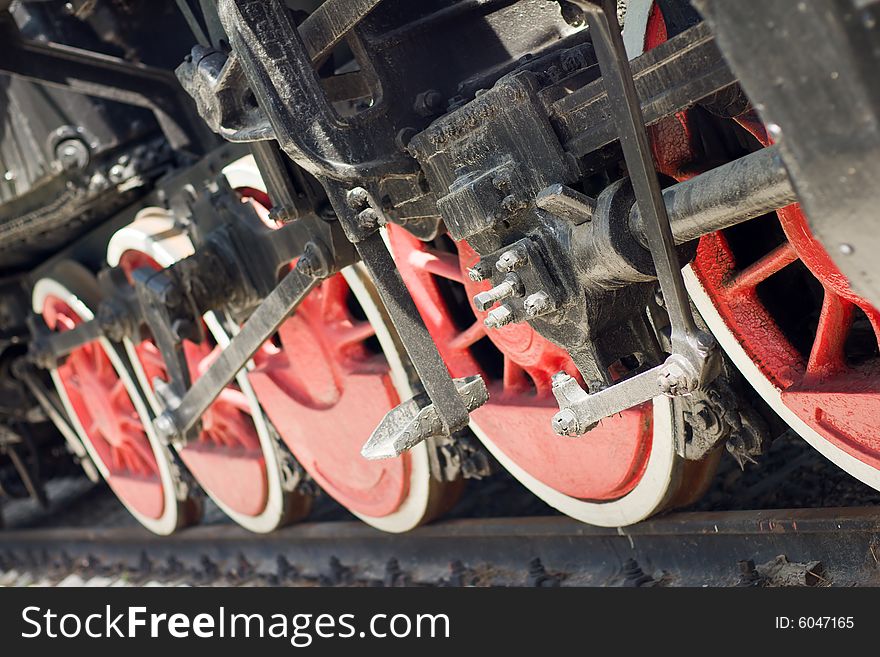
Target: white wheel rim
154, 233
170, 518
765, 388
650, 494
422, 489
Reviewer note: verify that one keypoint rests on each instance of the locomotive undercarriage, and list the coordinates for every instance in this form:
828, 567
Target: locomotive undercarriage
410, 244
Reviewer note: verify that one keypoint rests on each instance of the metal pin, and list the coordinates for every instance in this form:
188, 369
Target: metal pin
511, 286
498, 317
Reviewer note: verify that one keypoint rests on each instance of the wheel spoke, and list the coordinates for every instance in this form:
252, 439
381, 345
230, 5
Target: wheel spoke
133, 422
445, 265
98, 358
515, 378
234, 398
138, 453
827, 354
354, 333
117, 389
150, 357
750, 277
469, 336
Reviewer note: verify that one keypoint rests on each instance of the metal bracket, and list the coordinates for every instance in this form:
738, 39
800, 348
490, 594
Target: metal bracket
691, 362
176, 423
361, 215
416, 420
48, 349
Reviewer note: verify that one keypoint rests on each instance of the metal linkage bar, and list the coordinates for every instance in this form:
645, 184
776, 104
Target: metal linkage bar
746, 188
48, 348
630, 124
669, 78
687, 367
330, 23
414, 334
176, 422
24, 371
106, 77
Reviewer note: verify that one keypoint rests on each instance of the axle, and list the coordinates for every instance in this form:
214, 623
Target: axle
723, 197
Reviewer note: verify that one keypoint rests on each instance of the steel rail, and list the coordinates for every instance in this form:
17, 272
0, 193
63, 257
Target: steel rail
683, 549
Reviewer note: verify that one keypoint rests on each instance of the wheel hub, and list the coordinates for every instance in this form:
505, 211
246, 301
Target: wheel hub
604, 465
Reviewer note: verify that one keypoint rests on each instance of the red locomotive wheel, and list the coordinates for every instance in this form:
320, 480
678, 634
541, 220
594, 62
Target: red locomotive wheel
784, 313
320, 363
234, 458
622, 471
789, 320
326, 384
327, 379
106, 410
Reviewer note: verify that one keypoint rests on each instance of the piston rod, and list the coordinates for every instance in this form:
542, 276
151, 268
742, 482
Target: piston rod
731, 194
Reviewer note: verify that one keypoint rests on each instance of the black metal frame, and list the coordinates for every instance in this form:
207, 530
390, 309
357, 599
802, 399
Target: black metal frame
354, 158
501, 164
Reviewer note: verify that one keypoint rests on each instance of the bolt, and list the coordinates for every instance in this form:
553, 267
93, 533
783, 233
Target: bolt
509, 287
673, 380
478, 272
283, 214
357, 198
565, 423
560, 379
164, 426
368, 219
658, 298
705, 341
72, 154
9, 176
572, 14
429, 103
501, 316
511, 204
502, 181
117, 173
511, 259
538, 304
847, 249
307, 263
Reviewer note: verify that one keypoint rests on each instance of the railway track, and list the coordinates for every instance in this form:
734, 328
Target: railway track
796, 517
812, 547
477, 274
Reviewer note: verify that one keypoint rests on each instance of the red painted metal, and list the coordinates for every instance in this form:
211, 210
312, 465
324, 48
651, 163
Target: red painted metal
108, 417
325, 390
226, 458
838, 399
604, 465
